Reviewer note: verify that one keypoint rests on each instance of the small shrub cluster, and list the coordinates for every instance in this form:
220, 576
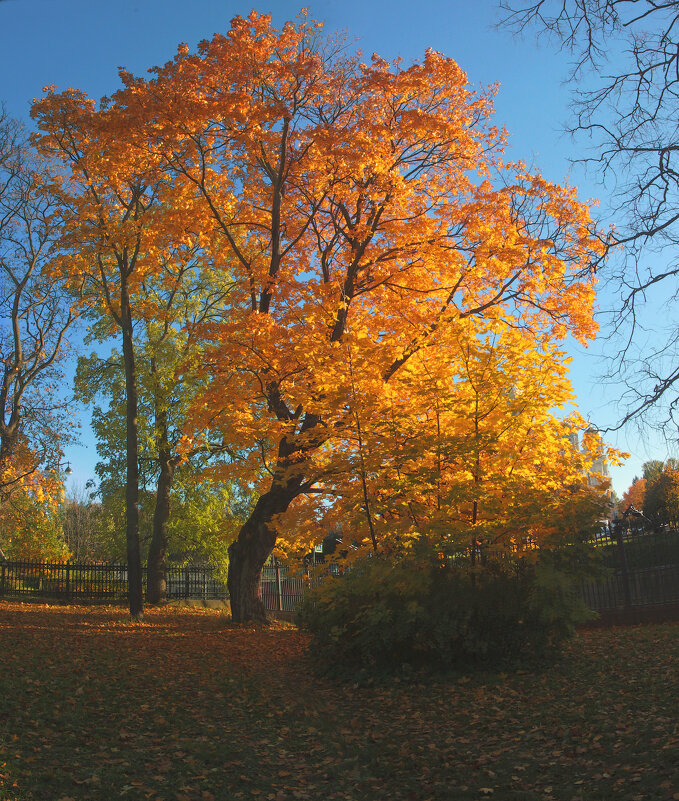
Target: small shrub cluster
421, 611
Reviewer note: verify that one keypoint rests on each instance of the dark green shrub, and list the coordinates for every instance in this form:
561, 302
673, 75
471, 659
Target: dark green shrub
417, 611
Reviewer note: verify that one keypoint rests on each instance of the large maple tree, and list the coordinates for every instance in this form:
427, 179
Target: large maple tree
368, 223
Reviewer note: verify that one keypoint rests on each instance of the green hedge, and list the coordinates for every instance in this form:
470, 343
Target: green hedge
418, 611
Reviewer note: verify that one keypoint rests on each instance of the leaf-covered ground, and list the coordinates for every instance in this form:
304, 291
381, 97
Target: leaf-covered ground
188, 707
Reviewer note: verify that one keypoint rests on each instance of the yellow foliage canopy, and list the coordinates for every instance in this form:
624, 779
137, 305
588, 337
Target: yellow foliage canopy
390, 273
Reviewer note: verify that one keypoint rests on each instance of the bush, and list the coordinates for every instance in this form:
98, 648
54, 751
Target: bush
418, 611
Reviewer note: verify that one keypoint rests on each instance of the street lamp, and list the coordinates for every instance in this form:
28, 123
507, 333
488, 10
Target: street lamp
54, 468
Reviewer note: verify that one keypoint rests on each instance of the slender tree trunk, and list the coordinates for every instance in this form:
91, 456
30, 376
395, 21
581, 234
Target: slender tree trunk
156, 571
361, 455
134, 574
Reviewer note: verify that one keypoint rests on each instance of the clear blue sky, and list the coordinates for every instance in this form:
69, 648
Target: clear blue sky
81, 44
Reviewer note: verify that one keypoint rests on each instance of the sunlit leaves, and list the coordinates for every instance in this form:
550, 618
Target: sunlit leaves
375, 242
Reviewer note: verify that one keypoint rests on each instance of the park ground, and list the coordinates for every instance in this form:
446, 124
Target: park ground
187, 706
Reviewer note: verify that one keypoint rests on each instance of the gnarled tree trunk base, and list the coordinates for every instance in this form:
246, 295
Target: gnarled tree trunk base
244, 585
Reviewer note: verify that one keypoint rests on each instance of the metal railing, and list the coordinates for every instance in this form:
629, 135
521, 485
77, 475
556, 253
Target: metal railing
641, 569
75, 580
282, 588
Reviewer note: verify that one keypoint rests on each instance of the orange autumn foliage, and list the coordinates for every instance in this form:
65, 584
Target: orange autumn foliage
29, 499
446, 457
390, 272
635, 495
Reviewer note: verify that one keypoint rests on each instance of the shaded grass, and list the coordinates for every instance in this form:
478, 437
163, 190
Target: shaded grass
187, 706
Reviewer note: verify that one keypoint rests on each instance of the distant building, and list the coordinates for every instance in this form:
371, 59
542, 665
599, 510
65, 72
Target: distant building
573, 438
599, 466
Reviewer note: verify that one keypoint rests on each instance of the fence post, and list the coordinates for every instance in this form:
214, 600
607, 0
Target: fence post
2, 579
68, 580
279, 588
187, 583
624, 568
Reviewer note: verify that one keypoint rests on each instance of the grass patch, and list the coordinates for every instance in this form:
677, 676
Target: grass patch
188, 707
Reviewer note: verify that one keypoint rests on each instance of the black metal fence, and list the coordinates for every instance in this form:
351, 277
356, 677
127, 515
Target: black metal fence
641, 569
73, 581
282, 588
199, 583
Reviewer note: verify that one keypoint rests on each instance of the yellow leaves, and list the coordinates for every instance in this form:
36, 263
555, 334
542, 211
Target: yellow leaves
390, 242
445, 451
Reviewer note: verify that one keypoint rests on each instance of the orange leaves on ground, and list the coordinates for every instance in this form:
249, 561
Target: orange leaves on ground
187, 704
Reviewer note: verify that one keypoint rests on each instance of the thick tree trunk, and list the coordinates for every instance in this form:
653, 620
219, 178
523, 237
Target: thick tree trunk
8, 440
257, 537
245, 575
134, 571
250, 551
156, 571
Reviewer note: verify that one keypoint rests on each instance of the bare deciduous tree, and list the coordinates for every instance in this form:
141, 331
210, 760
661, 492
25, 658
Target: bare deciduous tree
35, 315
626, 109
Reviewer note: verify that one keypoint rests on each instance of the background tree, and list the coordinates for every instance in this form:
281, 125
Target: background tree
111, 224
625, 106
661, 499
183, 295
203, 513
652, 469
90, 528
35, 315
30, 529
635, 495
